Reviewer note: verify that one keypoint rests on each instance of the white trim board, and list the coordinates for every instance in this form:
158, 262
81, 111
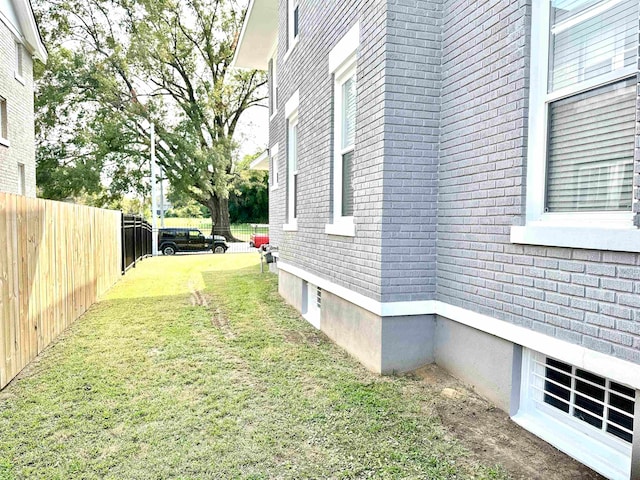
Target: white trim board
592, 238
345, 48
388, 309
291, 107
621, 371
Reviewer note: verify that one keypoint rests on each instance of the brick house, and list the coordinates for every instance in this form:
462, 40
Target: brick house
20, 43
458, 182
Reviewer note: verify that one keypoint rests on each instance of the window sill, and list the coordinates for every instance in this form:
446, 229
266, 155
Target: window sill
344, 229
563, 436
274, 187
617, 239
291, 49
290, 227
4, 142
20, 79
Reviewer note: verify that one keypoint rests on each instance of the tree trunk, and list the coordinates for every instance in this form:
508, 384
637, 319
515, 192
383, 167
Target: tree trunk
220, 222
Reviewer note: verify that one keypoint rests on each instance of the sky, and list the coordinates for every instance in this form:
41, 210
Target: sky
252, 134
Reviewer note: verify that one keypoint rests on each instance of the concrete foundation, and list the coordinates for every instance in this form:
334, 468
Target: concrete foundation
389, 345
290, 288
384, 345
355, 329
477, 358
407, 343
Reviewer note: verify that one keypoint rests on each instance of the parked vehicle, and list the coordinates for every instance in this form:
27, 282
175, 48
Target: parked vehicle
259, 240
174, 240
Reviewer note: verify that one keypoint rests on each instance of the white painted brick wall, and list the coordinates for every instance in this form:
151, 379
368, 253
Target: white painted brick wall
352, 262
582, 296
20, 118
440, 171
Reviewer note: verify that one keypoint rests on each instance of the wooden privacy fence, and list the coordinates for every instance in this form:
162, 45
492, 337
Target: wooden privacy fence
55, 260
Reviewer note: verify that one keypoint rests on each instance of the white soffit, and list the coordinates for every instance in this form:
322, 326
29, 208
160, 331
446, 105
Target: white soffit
261, 163
259, 34
28, 27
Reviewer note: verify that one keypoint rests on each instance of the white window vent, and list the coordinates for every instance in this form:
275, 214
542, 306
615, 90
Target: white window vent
597, 401
311, 303
589, 417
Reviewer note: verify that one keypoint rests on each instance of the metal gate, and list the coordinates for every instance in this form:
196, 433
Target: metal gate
136, 240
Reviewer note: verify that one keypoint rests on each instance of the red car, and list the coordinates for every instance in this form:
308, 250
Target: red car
257, 240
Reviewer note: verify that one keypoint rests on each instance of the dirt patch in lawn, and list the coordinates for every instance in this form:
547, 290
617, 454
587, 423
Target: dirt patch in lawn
493, 436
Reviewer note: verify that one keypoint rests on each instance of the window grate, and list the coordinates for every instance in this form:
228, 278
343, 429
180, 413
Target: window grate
592, 399
318, 297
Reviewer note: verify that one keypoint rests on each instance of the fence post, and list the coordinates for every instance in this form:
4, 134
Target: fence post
135, 243
124, 244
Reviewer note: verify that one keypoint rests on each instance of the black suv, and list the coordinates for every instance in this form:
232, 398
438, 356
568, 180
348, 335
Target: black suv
172, 240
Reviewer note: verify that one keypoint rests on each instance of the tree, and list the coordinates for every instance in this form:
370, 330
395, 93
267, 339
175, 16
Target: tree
183, 206
249, 194
122, 65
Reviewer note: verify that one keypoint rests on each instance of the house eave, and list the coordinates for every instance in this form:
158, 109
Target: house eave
261, 163
258, 35
29, 29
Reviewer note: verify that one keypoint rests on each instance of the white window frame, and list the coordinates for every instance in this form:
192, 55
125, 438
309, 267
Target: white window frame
342, 66
22, 179
311, 305
592, 230
19, 62
275, 173
292, 39
273, 92
604, 453
291, 113
4, 122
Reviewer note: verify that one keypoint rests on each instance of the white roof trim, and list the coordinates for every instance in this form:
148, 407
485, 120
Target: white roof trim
258, 35
29, 29
261, 163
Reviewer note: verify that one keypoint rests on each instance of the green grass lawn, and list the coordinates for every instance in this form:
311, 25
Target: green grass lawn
193, 368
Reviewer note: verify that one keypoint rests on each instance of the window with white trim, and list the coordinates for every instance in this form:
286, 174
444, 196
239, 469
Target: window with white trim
587, 415
19, 61
4, 121
345, 139
22, 185
292, 169
583, 109
597, 401
343, 68
293, 22
273, 85
275, 174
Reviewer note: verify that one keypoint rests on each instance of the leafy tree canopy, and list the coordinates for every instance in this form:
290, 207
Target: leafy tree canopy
118, 66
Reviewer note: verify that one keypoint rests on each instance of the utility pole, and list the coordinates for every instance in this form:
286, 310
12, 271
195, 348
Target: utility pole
161, 198
154, 199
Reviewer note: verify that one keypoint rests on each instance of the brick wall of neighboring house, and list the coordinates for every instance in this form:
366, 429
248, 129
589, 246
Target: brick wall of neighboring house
351, 262
586, 297
21, 132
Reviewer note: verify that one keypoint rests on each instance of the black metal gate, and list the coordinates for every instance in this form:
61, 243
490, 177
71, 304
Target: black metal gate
136, 240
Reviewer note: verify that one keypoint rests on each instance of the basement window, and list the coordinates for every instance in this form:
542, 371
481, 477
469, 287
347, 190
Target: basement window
587, 416
595, 400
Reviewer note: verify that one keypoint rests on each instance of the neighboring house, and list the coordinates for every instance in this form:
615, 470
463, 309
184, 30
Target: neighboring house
20, 43
444, 189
